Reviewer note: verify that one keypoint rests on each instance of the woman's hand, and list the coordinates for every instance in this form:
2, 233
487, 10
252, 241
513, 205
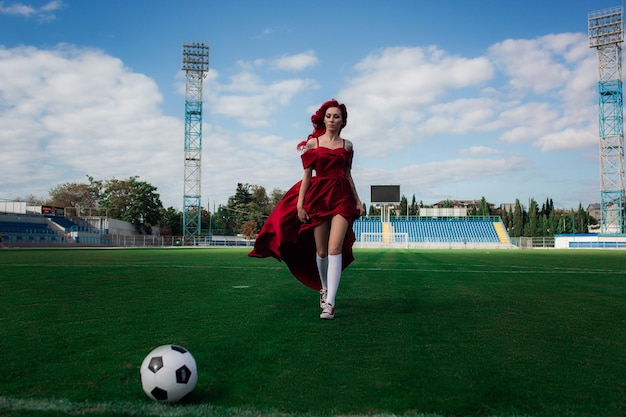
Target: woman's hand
302, 215
359, 206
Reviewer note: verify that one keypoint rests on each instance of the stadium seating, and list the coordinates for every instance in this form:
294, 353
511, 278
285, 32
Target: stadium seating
24, 229
67, 224
453, 229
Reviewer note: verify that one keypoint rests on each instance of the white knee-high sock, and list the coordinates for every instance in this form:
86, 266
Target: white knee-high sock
322, 268
334, 276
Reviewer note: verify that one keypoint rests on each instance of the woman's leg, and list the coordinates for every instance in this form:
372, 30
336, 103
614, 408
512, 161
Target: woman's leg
321, 234
338, 229
322, 269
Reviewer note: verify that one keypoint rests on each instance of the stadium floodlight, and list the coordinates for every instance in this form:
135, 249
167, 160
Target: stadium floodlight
196, 65
606, 34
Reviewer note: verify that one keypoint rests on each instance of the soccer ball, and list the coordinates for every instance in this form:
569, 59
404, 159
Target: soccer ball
168, 373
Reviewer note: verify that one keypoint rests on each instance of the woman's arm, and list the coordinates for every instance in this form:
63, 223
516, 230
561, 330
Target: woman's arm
359, 204
304, 186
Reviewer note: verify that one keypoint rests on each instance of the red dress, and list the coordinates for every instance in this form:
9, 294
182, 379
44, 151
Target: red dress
287, 239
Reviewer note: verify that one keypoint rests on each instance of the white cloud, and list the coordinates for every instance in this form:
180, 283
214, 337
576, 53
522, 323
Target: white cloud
553, 80
246, 157
479, 151
526, 122
522, 98
67, 112
251, 99
395, 87
459, 116
290, 63
429, 180
256, 108
295, 63
466, 170
404, 76
539, 65
568, 139
18, 9
52, 6
70, 112
43, 13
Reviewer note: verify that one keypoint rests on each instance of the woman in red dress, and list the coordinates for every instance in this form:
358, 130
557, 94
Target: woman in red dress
311, 228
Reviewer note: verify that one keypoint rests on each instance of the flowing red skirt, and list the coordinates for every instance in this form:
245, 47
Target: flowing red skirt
287, 239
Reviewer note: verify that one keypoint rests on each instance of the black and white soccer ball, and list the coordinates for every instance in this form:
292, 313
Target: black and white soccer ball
168, 373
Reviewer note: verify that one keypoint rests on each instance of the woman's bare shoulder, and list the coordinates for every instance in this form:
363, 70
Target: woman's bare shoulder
311, 143
348, 144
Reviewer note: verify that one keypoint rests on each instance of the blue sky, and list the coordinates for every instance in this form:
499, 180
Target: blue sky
450, 99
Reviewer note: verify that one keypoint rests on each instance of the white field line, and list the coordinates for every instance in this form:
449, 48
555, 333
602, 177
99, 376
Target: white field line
137, 408
148, 408
512, 269
88, 407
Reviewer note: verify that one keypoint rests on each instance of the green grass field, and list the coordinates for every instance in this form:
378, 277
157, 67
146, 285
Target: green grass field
417, 333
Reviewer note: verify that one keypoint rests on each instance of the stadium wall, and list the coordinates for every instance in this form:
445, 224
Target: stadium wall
589, 241
443, 212
15, 207
114, 226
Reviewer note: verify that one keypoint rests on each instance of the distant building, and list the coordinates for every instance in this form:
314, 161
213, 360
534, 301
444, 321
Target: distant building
509, 207
594, 210
462, 204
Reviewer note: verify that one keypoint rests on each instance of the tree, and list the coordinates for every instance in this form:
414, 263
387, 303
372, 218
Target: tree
249, 229
531, 228
581, 220
260, 198
518, 220
547, 208
238, 207
171, 222
33, 200
374, 211
221, 222
205, 220
504, 215
544, 226
249, 203
483, 207
134, 201
275, 197
414, 209
553, 223
80, 196
403, 206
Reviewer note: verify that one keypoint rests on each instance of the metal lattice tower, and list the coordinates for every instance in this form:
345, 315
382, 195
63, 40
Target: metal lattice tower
195, 65
606, 34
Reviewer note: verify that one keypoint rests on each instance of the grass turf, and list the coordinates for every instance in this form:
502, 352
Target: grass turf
453, 333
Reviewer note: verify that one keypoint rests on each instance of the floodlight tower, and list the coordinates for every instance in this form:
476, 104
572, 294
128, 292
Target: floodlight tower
606, 34
195, 65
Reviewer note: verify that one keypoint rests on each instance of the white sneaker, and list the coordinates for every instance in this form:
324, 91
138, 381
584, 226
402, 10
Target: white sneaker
323, 293
328, 312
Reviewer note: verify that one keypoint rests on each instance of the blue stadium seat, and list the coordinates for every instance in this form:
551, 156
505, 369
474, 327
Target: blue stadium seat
458, 229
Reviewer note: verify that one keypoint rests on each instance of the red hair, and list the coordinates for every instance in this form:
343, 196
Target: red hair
318, 120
